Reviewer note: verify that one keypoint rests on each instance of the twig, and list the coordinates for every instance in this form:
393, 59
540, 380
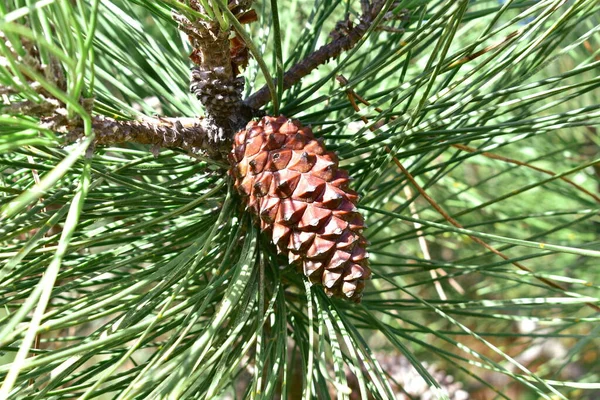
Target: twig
29, 107
214, 80
321, 56
190, 134
523, 164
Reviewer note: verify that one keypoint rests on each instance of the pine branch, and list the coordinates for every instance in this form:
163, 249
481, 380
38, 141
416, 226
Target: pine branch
214, 79
190, 134
345, 37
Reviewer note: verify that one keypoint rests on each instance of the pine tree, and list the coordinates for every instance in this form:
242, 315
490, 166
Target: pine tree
444, 187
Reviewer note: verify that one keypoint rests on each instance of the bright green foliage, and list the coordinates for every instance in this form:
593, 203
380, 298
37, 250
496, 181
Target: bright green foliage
127, 275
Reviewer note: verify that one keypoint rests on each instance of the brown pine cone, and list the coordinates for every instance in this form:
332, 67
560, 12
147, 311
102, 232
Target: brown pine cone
302, 198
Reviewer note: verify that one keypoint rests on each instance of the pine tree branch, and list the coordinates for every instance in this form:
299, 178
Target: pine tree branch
345, 37
190, 134
193, 135
207, 135
214, 79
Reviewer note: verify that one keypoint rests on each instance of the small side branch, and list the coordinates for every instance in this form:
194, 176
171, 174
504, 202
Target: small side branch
345, 37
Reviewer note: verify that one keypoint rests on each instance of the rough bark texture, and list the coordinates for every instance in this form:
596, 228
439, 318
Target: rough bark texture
194, 135
213, 79
190, 134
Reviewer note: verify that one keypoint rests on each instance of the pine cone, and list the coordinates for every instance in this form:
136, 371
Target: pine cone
302, 199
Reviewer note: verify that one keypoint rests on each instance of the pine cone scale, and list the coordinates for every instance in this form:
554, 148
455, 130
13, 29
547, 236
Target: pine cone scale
295, 187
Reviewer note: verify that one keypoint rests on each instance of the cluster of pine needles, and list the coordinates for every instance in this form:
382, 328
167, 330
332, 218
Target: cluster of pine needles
469, 129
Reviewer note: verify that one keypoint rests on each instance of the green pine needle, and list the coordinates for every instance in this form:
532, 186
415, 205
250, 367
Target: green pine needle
129, 276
